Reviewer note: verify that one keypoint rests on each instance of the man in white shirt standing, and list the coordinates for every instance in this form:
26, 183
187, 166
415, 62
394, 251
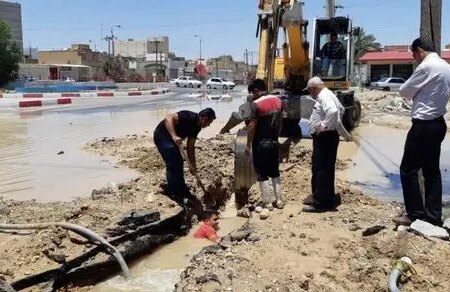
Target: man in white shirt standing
325, 126
429, 89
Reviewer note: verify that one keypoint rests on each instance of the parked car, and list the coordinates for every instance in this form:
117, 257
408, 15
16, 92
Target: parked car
187, 81
219, 83
388, 84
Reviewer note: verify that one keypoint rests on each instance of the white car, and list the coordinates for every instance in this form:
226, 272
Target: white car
187, 81
388, 84
218, 83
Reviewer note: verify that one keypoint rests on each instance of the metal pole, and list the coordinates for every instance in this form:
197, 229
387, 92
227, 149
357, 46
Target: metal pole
112, 41
200, 49
156, 58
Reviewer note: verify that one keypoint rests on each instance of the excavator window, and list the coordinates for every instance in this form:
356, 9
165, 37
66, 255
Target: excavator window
331, 43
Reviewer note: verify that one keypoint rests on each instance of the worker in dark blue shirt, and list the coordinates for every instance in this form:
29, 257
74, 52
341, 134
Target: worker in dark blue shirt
168, 137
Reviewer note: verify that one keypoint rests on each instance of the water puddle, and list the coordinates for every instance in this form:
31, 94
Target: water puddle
30, 140
376, 155
161, 270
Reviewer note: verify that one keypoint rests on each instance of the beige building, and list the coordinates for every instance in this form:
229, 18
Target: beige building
77, 54
55, 72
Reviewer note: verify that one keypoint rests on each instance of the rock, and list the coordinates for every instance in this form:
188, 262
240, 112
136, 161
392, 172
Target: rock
402, 228
210, 277
5, 287
446, 223
239, 235
254, 237
429, 230
4, 210
258, 209
243, 212
265, 213
373, 230
354, 227
6, 272
225, 242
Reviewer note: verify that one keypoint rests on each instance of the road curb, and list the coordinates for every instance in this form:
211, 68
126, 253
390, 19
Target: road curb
43, 102
86, 94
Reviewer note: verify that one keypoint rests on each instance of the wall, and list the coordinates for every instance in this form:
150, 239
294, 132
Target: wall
130, 48
41, 72
59, 57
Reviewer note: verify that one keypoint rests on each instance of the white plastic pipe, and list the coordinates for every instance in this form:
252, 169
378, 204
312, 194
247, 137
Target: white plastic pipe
402, 266
83, 231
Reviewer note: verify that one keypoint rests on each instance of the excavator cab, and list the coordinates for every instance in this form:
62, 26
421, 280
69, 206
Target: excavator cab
332, 60
332, 51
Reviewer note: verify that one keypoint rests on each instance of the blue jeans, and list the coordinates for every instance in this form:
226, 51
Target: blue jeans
176, 186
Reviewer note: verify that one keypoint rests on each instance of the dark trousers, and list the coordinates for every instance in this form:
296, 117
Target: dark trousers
422, 151
176, 185
266, 158
324, 155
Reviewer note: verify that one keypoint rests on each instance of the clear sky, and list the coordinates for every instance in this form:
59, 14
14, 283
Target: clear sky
226, 26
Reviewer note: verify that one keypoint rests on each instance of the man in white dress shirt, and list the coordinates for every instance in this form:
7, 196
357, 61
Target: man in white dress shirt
325, 127
429, 89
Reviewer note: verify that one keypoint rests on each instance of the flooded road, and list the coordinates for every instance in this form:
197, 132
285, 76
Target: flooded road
30, 140
375, 157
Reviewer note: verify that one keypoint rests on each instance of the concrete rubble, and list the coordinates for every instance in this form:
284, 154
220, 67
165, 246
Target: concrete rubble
429, 230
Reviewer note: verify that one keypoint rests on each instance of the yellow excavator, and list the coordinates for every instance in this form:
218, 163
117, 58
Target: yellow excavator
286, 70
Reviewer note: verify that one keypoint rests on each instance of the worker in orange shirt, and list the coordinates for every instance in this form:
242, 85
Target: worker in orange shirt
209, 227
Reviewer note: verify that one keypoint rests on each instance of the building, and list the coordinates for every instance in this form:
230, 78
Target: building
12, 14
225, 67
77, 54
55, 72
393, 61
152, 49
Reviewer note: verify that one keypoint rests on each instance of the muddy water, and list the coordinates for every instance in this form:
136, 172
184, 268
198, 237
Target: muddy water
30, 167
160, 271
375, 158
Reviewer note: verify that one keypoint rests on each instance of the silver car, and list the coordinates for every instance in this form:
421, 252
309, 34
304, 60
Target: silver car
388, 84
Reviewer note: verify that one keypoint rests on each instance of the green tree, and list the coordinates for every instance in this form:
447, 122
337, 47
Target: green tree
10, 55
114, 67
365, 43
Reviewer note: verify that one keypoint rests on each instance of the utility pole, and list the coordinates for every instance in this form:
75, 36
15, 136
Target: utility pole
157, 64
246, 58
217, 67
200, 39
330, 7
430, 22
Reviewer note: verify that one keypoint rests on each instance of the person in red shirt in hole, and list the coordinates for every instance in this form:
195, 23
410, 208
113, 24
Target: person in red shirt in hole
209, 227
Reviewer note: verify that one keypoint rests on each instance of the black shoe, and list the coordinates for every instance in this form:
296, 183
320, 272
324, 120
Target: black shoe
337, 200
313, 209
309, 200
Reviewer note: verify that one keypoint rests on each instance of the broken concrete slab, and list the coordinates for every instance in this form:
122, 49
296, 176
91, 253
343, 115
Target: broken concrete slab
429, 230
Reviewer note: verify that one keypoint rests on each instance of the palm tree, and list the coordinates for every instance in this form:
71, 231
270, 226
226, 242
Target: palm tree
365, 43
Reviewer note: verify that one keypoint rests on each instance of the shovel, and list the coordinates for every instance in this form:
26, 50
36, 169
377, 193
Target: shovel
185, 157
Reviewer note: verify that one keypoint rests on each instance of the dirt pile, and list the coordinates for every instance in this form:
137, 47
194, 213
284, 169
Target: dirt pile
386, 108
24, 253
294, 251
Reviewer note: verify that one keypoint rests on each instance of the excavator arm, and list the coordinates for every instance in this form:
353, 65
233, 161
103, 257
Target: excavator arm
293, 67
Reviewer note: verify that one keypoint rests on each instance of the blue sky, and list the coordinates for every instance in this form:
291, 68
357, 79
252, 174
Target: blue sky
226, 27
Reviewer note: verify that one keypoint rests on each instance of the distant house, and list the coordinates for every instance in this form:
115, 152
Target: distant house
393, 61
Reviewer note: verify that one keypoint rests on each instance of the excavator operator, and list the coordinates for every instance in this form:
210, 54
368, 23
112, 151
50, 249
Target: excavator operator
333, 54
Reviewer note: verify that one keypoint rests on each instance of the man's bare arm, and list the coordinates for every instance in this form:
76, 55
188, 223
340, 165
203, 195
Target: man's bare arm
170, 121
